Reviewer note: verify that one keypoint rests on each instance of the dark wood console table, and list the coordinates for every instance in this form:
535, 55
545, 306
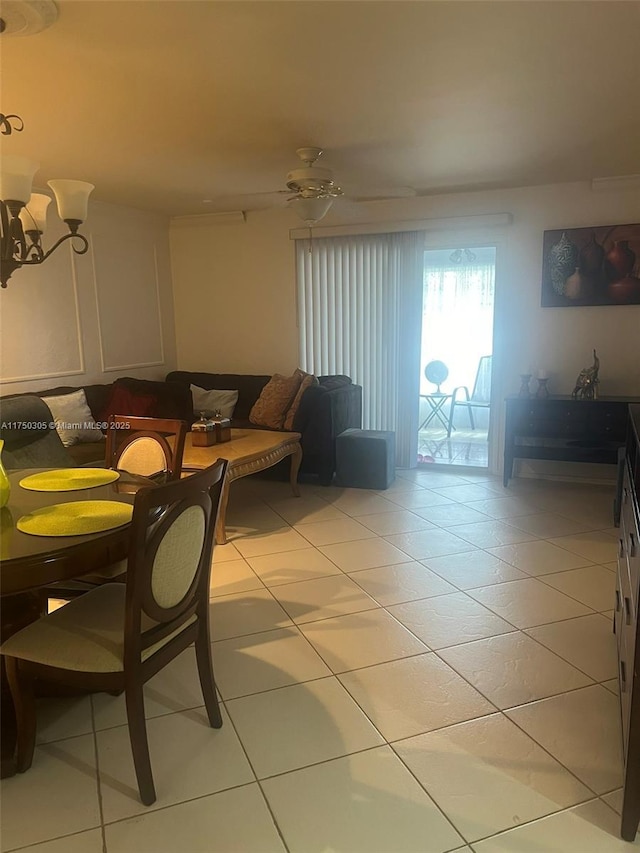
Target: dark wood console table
562, 429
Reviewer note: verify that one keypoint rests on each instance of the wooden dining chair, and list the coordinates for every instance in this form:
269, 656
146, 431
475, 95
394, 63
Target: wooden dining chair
152, 447
118, 636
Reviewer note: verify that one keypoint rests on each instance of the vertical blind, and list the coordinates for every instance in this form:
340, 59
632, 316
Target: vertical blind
359, 314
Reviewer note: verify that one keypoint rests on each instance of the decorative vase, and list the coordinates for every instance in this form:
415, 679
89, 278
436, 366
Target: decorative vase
5, 485
573, 286
591, 257
542, 391
626, 291
563, 259
619, 261
524, 387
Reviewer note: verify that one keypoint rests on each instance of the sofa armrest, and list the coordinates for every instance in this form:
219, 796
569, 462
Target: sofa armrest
330, 414
30, 440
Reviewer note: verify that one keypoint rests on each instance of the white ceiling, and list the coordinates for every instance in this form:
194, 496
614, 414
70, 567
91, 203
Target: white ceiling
162, 103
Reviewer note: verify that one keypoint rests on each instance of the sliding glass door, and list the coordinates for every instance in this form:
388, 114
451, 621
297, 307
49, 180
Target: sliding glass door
456, 356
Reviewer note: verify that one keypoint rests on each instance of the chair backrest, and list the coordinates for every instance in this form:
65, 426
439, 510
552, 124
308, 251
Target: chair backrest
146, 446
170, 553
482, 386
30, 439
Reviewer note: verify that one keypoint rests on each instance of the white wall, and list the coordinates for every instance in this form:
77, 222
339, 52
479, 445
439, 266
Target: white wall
82, 319
234, 288
235, 294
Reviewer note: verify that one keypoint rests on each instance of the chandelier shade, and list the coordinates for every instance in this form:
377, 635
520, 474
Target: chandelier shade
23, 214
72, 198
16, 178
311, 210
34, 215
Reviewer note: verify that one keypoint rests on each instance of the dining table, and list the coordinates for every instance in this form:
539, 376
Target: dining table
29, 562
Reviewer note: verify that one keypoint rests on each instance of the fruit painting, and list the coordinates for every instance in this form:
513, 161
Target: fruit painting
591, 266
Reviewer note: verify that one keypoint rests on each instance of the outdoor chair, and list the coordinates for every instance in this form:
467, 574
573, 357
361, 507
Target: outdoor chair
480, 397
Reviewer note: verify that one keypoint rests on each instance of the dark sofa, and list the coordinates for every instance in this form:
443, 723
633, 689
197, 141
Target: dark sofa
326, 410
157, 399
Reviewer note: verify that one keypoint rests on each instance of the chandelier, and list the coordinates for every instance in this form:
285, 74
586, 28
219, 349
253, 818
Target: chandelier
23, 214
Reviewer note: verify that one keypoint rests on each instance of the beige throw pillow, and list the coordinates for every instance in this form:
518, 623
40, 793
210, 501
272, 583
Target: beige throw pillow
271, 407
73, 419
214, 401
307, 380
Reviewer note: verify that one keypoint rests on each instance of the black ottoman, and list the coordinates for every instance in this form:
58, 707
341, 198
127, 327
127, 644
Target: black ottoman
365, 458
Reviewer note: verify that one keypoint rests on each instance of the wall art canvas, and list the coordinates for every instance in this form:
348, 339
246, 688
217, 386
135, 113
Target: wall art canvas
591, 266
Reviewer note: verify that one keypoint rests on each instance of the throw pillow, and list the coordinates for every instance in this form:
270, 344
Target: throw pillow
171, 399
271, 407
73, 419
211, 402
307, 380
123, 401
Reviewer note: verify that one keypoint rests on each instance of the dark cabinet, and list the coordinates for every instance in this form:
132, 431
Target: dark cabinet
564, 429
626, 627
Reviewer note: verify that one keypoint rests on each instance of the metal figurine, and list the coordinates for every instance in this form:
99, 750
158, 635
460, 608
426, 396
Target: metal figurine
587, 382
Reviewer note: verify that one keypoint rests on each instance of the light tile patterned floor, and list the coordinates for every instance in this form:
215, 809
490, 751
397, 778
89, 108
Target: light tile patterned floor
422, 670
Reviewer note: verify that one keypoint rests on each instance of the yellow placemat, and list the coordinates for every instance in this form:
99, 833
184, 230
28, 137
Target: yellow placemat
68, 479
75, 518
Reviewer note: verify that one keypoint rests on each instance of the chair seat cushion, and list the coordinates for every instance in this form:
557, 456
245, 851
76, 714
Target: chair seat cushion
86, 635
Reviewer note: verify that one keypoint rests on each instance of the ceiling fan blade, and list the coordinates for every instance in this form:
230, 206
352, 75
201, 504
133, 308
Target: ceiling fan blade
381, 193
266, 192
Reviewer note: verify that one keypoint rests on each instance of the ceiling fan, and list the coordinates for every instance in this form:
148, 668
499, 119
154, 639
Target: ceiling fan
311, 189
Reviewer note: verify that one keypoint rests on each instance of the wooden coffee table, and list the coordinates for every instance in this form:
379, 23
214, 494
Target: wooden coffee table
249, 450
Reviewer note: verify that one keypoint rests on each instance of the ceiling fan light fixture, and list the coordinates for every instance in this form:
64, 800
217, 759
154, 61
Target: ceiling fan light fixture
311, 210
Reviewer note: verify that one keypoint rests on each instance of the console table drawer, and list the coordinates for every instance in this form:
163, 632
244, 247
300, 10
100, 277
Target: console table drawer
615, 418
554, 429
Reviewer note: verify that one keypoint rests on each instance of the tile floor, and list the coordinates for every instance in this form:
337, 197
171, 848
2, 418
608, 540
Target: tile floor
426, 669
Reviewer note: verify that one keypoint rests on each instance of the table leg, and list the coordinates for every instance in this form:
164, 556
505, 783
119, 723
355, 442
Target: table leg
17, 611
436, 406
296, 459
